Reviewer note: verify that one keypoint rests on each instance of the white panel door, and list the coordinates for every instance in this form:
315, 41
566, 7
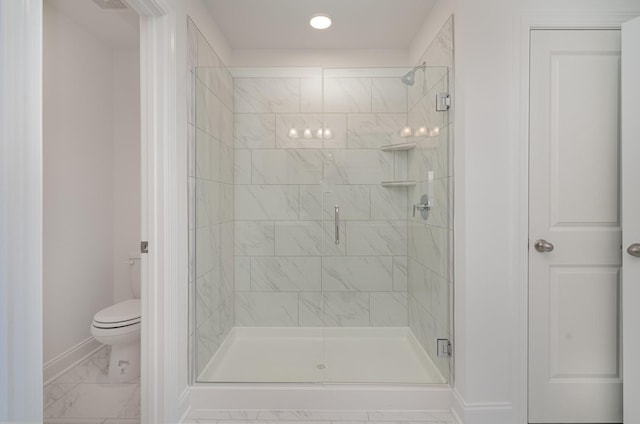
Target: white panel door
630, 217
574, 289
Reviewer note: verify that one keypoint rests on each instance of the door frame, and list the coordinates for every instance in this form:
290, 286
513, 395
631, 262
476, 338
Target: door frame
527, 22
21, 212
159, 209
21, 280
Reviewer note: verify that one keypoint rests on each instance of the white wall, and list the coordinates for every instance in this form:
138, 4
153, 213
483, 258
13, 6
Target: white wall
126, 175
78, 181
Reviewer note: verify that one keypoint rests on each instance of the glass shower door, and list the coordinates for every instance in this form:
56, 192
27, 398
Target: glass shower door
211, 216
384, 153
430, 231
278, 222
308, 263
363, 312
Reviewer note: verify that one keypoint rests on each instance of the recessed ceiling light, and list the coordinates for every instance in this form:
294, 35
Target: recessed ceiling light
320, 21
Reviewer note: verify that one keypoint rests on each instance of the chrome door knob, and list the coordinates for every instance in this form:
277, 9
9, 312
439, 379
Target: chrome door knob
543, 246
634, 250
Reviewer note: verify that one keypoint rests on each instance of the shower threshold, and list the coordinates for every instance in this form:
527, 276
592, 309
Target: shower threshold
323, 355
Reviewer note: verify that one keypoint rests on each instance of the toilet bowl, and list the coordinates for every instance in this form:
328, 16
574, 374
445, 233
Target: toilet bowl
119, 327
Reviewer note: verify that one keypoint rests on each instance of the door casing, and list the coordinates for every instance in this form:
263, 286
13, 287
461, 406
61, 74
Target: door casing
528, 22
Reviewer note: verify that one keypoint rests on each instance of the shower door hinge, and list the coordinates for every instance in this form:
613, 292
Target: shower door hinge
443, 102
444, 348
144, 247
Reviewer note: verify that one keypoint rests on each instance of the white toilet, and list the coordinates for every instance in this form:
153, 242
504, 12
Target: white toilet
119, 327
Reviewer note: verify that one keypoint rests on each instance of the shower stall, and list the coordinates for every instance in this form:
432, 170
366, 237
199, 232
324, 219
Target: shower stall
320, 225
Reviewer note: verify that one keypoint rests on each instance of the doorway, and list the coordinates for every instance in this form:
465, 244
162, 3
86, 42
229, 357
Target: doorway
91, 116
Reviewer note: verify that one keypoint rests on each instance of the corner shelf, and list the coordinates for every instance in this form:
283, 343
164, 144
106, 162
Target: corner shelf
397, 147
398, 183
401, 147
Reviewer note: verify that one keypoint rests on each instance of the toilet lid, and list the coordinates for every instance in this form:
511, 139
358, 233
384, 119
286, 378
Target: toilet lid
123, 313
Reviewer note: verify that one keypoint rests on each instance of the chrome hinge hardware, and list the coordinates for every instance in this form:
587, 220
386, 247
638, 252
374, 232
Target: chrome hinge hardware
444, 348
443, 102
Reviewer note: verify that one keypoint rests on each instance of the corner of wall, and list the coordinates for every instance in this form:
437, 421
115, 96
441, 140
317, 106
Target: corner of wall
126, 181
481, 412
211, 123
78, 181
442, 11
198, 12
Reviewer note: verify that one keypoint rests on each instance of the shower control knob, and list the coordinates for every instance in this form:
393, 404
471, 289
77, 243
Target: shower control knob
543, 246
424, 207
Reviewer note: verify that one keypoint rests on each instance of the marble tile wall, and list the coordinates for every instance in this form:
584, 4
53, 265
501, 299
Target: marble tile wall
429, 265
211, 174
289, 270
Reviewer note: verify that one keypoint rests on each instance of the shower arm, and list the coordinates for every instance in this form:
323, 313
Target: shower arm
422, 66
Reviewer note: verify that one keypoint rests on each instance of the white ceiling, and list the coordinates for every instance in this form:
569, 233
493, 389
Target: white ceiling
116, 28
284, 24
276, 24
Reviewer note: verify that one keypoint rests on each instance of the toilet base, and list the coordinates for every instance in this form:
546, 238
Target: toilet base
124, 362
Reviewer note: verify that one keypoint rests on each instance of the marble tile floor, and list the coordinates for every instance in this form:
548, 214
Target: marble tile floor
320, 417
84, 395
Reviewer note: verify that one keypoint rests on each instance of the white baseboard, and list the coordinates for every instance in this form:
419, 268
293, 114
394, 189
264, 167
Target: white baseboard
481, 412
318, 397
61, 363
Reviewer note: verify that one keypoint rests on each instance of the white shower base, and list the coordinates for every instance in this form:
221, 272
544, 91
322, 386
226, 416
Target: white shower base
326, 355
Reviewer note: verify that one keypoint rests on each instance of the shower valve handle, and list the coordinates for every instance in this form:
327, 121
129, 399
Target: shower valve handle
424, 207
420, 206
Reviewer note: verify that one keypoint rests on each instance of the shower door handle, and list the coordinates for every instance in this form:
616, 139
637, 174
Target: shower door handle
337, 222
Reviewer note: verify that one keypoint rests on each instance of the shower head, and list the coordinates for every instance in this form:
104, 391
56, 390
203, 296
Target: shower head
410, 77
